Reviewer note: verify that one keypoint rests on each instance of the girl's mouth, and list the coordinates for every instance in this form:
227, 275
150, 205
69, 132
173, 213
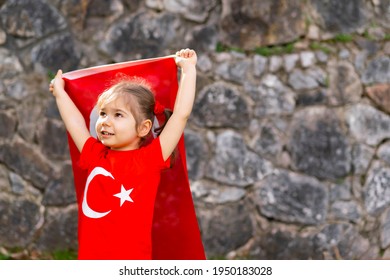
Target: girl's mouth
107, 133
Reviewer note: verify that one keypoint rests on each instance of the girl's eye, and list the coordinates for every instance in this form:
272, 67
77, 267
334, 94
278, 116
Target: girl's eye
102, 114
119, 115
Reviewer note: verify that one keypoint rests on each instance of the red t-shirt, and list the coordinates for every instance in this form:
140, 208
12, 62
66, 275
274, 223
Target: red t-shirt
116, 210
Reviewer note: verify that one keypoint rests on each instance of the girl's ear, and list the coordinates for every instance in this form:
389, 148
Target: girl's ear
144, 128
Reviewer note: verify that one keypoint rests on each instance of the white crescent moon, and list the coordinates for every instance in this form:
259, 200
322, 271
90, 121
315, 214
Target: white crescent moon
85, 207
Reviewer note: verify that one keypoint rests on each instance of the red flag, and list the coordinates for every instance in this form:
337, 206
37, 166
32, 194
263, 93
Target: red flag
175, 231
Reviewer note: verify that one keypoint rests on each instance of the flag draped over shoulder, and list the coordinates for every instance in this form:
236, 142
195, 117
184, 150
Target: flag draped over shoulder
175, 232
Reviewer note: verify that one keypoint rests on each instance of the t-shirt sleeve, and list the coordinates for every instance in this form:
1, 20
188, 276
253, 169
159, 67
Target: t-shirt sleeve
90, 152
154, 157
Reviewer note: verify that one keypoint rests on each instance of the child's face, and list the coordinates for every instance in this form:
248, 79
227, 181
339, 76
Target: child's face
116, 126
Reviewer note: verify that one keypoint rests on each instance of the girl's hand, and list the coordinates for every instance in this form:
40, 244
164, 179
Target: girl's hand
57, 83
186, 58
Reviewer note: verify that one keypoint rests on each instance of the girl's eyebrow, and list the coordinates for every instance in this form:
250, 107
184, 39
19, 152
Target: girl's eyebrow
113, 109
120, 111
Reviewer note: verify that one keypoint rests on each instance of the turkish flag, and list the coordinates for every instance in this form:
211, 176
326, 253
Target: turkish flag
175, 232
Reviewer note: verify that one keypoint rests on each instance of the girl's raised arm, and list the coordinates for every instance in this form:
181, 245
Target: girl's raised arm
170, 136
71, 116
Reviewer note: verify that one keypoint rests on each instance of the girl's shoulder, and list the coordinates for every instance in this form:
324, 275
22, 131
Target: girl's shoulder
92, 150
152, 152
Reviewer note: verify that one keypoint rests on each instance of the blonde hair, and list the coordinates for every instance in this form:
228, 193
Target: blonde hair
138, 97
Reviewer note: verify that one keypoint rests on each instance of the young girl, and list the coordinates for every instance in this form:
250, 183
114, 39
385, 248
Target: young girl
124, 172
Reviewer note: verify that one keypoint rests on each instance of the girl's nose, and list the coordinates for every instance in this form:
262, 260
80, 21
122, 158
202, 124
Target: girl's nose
106, 121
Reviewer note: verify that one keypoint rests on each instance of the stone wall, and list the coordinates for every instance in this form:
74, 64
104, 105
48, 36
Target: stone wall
288, 145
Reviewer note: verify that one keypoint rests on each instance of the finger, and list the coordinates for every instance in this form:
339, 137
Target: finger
190, 53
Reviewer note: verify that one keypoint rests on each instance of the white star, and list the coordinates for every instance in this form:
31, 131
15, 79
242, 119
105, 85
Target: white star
124, 195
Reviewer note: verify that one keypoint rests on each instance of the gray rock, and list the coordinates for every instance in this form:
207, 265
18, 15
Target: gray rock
5, 185
384, 152
385, 230
53, 139
25, 160
57, 52
308, 59
60, 230
8, 124
104, 8
133, 5
19, 219
322, 56
155, 4
196, 11
360, 61
3, 37
225, 228
143, 35
378, 71
89, 20
345, 210
28, 18
340, 16
204, 38
229, 194
292, 198
344, 54
275, 63
51, 110
17, 183
383, 13
367, 124
344, 84
16, 88
271, 97
341, 241
259, 65
318, 143
309, 79
285, 244
339, 192
220, 105
290, 61
196, 153
75, 12
61, 192
342, 151
377, 189
268, 141
30, 111
317, 96
213, 193
361, 158
234, 71
334, 241
249, 24
234, 164
204, 63
10, 65
386, 254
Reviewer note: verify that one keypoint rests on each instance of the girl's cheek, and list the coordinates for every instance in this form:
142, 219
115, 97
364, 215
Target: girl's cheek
97, 127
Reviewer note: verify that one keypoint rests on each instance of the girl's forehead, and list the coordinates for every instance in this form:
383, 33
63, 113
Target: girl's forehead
119, 103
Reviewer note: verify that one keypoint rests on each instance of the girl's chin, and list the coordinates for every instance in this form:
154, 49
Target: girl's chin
105, 142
